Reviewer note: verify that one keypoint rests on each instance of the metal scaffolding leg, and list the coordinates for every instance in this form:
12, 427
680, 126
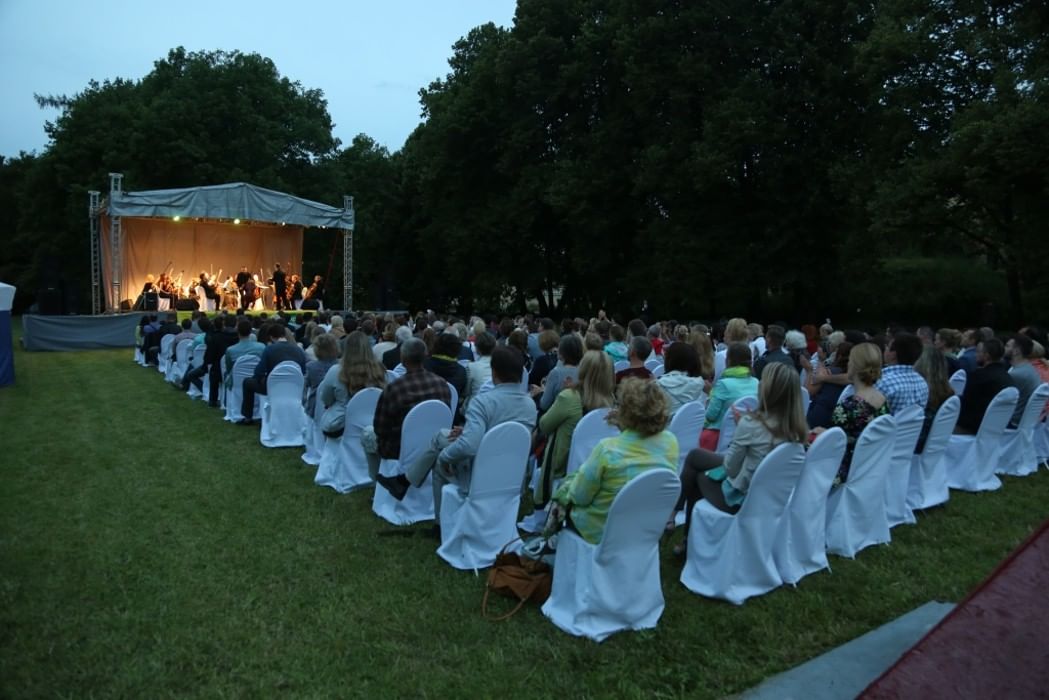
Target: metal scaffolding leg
96, 252
116, 188
347, 257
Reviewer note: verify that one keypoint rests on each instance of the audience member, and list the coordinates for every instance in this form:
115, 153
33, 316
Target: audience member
444, 364
357, 370
279, 350
547, 359
932, 366
1025, 377
388, 342
638, 352
774, 338
569, 352
616, 347
392, 357
681, 380
735, 383
326, 350
983, 384
947, 341
900, 384
824, 395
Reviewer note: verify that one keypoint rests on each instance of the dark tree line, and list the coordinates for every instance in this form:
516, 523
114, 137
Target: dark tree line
793, 158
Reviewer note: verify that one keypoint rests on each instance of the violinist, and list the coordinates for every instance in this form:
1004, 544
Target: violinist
311, 299
208, 289
166, 289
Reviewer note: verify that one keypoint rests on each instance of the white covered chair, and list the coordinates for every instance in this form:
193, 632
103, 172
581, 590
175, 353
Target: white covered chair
720, 362
312, 436
615, 585
686, 425
651, 364
730, 556
164, 358
140, 357
197, 360
909, 423
806, 399
973, 459
728, 421
343, 465
282, 416
420, 425
1041, 442
621, 365
856, 516
928, 481
590, 430
658, 372
203, 302
848, 391
177, 369
475, 526
454, 400
801, 544
957, 382
1019, 456
243, 368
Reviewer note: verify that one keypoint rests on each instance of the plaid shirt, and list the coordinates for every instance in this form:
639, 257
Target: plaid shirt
400, 397
903, 387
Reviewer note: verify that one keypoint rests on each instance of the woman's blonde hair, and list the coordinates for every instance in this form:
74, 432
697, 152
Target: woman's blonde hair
779, 403
359, 368
681, 333
593, 342
643, 406
736, 331
597, 381
933, 367
326, 347
705, 350
865, 363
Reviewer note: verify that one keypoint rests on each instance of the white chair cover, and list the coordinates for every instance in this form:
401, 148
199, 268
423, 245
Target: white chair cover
621, 365
856, 516
178, 368
848, 391
343, 465
908, 428
590, 430
243, 368
455, 400
686, 425
720, 361
197, 360
973, 460
163, 359
730, 556
658, 371
801, 543
1041, 441
651, 364
806, 399
282, 416
615, 585
312, 436
140, 357
524, 381
477, 525
957, 382
928, 481
420, 425
728, 421
1019, 456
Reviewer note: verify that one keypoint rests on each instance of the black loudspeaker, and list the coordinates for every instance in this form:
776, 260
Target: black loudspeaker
125, 305
150, 301
187, 305
311, 304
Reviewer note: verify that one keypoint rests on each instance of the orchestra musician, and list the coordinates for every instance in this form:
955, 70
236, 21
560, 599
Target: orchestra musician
242, 277
280, 288
311, 298
295, 290
166, 289
208, 288
248, 292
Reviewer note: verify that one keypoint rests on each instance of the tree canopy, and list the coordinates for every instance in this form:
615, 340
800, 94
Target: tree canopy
785, 159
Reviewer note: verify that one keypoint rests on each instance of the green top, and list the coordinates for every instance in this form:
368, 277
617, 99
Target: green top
733, 384
559, 423
616, 460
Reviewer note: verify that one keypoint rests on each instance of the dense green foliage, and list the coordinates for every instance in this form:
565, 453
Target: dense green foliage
794, 159
150, 549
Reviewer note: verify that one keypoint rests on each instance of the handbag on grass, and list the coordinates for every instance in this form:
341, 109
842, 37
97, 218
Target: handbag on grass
517, 577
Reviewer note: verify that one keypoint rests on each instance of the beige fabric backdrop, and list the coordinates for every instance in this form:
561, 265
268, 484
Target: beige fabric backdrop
151, 245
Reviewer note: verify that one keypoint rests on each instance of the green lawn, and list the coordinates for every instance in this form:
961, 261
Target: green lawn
150, 549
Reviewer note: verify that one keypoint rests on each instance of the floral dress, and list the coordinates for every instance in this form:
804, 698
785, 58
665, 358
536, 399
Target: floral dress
852, 415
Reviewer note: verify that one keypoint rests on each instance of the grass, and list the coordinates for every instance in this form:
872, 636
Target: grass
148, 549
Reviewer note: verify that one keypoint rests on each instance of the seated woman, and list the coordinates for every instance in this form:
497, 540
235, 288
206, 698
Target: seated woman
735, 383
548, 341
681, 380
933, 366
586, 495
444, 363
724, 479
825, 394
866, 403
326, 350
358, 370
569, 353
595, 389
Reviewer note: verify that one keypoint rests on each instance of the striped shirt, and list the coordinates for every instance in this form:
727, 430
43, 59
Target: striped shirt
613, 462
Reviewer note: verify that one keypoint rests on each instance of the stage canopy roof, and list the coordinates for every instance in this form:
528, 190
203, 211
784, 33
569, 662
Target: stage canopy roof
233, 200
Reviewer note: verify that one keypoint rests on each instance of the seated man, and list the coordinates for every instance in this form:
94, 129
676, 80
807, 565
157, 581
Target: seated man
382, 439
638, 351
1023, 374
984, 383
152, 343
279, 350
451, 453
774, 338
900, 383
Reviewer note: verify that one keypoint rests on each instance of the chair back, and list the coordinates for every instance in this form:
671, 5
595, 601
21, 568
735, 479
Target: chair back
621, 365
728, 421
651, 364
909, 423
686, 425
998, 414
524, 380
164, 358
284, 380
928, 479
454, 402
957, 382
1034, 409
501, 459
772, 483
871, 458
941, 430
658, 371
198, 356
806, 399
590, 430
848, 391
720, 360
638, 515
360, 411
420, 425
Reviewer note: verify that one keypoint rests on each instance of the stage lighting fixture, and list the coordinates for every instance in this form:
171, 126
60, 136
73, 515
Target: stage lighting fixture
236, 221
176, 218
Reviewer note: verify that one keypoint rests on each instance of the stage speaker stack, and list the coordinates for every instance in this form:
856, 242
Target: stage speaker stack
187, 305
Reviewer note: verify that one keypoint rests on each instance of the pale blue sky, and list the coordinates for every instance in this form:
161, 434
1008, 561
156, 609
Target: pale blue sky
369, 58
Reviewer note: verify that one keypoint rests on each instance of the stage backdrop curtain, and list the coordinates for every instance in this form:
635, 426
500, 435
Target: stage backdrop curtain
151, 245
